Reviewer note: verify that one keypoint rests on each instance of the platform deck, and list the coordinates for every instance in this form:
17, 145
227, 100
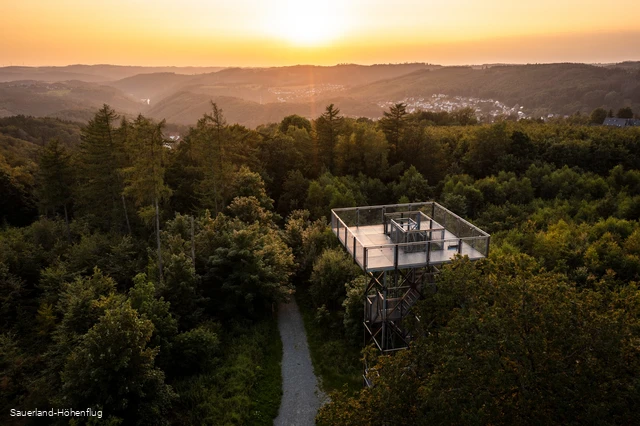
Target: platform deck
383, 258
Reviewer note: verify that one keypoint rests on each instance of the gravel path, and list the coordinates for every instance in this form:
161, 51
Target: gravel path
301, 396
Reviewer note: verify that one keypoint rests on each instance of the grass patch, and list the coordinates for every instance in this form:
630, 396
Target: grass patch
334, 359
268, 390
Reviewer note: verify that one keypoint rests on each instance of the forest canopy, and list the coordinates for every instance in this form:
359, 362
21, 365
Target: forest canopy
140, 275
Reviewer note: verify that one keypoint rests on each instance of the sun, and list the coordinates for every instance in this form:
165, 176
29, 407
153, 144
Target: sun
312, 31
307, 23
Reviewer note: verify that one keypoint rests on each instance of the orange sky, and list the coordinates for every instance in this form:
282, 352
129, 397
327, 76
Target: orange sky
326, 32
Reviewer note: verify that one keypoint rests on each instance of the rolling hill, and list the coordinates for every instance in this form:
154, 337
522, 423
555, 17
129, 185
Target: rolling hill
90, 73
251, 96
557, 88
151, 86
187, 107
61, 99
262, 83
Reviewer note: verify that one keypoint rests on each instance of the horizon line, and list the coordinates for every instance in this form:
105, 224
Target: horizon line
319, 65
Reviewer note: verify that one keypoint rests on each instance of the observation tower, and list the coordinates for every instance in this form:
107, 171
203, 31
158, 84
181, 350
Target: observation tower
399, 248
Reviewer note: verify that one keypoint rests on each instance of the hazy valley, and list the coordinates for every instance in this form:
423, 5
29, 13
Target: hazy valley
252, 96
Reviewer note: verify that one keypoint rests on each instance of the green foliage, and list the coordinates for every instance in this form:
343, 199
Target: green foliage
264, 277
249, 210
79, 303
17, 206
354, 309
328, 127
246, 183
364, 150
209, 151
145, 178
246, 386
412, 185
122, 259
14, 369
294, 193
307, 239
330, 192
561, 200
535, 339
598, 116
100, 158
55, 178
181, 288
13, 299
335, 360
142, 297
296, 121
487, 148
625, 112
38, 129
113, 368
268, 390
87, 253
280, 156
331, 271
196, 351
392, 124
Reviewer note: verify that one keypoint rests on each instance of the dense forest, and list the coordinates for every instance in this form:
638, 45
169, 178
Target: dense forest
141, 276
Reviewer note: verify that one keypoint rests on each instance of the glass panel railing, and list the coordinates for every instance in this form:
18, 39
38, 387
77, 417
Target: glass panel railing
359, 253
350, 242
370, 216
349, 217
419, 233
414, 254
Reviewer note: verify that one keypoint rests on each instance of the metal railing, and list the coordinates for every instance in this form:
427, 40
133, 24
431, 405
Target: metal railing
467, 239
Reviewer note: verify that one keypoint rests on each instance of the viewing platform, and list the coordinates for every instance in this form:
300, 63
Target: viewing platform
401, 236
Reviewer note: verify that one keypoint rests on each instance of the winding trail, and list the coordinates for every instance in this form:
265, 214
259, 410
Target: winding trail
301, 396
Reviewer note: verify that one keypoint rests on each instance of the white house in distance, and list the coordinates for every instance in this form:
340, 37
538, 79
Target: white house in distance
621, 122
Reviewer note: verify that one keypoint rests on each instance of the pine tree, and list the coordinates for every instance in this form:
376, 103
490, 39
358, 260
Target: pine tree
100, 158
208, 144
328, 128
392, 124
55, 180
145, 177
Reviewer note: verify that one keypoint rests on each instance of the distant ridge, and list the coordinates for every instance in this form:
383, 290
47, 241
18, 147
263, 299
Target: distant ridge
252, 96
90, 73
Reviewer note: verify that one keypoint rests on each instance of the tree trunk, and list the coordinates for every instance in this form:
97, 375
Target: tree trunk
158, 239
193, 244
126, 215
66, 219
215, 195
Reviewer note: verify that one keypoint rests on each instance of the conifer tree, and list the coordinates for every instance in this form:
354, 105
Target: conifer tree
145, 177
208, 141
100, 158
328, 128
392, 124
55, 180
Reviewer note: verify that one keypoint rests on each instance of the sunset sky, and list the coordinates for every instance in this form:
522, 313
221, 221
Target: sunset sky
325, 32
